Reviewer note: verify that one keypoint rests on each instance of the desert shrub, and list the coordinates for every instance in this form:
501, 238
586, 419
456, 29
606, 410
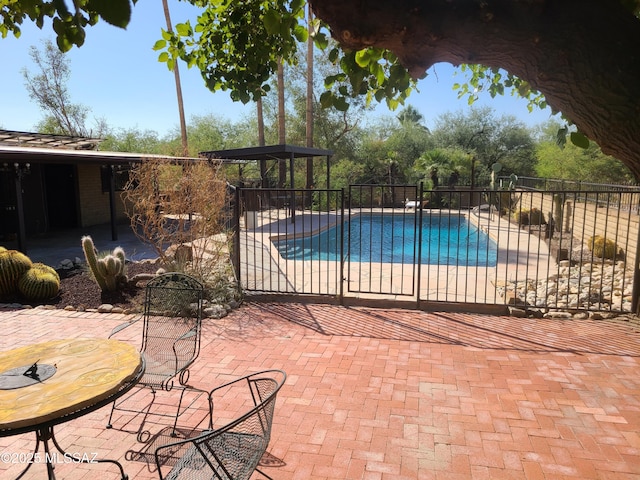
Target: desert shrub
181, 211
529, 217
602, 247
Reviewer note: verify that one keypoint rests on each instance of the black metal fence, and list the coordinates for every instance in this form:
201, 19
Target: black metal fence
545, 250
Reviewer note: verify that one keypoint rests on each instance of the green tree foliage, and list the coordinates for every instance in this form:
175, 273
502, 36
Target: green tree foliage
405, 146
237, 45
68, 24
207, 132
346, 172
447, 161
569, 162
389, 150
338, 130
487, 140
133, 140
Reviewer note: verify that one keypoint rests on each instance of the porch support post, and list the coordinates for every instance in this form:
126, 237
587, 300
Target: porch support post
112, 201
328, 171
22, 232
291, 186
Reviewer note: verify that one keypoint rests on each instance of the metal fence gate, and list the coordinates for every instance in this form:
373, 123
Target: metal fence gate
538, 249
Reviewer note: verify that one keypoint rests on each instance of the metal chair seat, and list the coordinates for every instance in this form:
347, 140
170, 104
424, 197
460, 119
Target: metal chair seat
232, 451
237, 456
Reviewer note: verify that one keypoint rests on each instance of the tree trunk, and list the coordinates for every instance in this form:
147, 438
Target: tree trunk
261, 141
260, 114
176, 73
309, 109
282, 163
582, 56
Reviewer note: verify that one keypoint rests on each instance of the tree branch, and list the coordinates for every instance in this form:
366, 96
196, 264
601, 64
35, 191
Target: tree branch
580, 55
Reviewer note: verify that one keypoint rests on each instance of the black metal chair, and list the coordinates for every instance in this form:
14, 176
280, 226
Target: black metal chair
232, 450
171, 331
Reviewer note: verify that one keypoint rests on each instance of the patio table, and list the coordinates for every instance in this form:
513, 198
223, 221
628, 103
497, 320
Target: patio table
50, 383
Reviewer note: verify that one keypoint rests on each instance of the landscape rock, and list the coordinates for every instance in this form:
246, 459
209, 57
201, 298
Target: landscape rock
598, 285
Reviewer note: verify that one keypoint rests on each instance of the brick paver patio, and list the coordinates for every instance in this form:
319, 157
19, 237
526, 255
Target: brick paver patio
390, 394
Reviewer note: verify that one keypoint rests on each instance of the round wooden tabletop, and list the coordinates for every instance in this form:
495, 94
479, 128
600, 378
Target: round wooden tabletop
86, 372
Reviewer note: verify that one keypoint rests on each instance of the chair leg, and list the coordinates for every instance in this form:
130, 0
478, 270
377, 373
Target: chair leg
178, 413
175, 422
116, 406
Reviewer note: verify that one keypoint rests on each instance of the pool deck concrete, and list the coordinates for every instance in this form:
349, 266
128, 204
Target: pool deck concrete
387, 394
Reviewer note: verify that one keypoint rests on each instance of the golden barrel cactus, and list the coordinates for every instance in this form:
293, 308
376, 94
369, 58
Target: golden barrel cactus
40, 282
12, 265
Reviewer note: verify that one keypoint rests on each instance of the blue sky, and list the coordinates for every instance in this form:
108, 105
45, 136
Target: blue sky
116, 74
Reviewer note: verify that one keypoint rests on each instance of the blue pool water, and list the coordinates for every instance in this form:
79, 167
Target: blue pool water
446, 240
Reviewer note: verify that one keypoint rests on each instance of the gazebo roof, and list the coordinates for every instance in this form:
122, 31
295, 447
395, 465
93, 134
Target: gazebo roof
269, 152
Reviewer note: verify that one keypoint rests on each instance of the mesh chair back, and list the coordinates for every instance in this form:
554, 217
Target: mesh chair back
172, 326
232, 451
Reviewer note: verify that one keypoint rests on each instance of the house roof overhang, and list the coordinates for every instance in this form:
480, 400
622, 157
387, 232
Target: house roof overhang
11, 154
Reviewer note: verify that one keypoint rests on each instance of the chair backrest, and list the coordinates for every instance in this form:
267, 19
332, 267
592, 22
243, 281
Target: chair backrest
172, 325
245, 408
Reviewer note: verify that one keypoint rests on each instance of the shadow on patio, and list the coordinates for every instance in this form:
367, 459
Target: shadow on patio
392, 394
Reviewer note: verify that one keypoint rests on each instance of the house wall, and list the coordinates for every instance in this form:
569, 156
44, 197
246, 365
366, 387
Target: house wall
94, 203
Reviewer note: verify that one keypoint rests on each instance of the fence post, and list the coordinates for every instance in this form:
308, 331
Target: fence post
635, 290
342, 279
236, 239
418, 267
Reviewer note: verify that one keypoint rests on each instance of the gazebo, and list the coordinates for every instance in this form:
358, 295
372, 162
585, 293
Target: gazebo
272, 153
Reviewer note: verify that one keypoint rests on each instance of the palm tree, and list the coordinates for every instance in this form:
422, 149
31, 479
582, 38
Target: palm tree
282, 163
410, 114
176, 73
309, 109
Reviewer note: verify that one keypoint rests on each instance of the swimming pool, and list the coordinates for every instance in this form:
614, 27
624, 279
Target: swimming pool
446, 240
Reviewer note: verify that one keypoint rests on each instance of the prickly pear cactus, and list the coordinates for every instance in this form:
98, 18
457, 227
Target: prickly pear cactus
40, 282
12, 265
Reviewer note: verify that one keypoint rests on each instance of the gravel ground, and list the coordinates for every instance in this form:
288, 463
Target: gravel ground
78, 289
